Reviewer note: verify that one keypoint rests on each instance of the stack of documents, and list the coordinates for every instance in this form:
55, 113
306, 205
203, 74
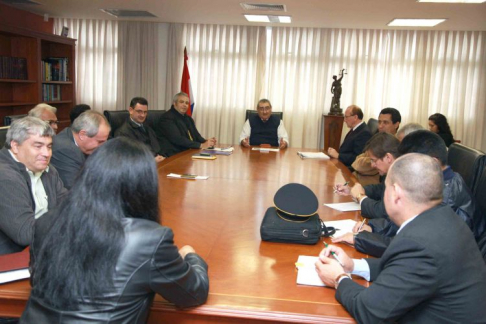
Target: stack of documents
219, 151
264, 149
313, 155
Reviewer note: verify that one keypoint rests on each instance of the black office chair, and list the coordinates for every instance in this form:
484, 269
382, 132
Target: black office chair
8, 120
116, 118
153, 118
373, 125
468, 162
3, 135
479, 192
251, 112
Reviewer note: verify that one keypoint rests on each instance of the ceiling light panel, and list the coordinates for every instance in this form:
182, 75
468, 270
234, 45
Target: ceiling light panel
415, 22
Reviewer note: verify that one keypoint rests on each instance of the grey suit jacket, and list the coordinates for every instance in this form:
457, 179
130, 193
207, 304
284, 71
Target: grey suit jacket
432, 272
67, 157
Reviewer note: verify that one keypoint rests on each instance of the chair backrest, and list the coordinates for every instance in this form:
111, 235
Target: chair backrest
153, 118
468, 162
7, 120
479, 195
3, 135
116, 118
251, 112
373, 125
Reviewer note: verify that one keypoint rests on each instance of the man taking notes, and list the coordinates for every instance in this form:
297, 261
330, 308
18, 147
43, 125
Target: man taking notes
264, 128
432, 272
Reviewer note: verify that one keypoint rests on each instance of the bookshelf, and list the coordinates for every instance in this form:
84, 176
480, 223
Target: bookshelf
18, 96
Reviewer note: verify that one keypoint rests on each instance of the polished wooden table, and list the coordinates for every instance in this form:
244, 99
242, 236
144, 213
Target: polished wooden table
251, 281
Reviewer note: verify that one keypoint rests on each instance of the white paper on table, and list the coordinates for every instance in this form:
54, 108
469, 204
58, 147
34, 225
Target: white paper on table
14, 275
342, 226
179, 176
307, 274
222, 149
265, 149
348, 206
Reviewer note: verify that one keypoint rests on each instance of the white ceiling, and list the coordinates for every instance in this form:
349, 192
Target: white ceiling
362, 14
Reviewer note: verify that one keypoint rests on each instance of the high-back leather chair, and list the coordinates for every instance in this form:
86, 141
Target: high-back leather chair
373, 125
3, 135
250, 112
479, 195
116, 118
8, 120
153, 118
468, 162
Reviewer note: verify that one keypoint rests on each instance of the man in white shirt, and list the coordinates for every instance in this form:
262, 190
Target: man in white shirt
432, 272
264, 128
30, 187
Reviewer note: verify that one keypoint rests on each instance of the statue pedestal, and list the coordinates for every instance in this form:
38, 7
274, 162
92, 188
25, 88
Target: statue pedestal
333, 127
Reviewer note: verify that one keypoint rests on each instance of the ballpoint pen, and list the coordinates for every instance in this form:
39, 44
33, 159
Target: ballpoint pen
335, 256
361, 225
344, 185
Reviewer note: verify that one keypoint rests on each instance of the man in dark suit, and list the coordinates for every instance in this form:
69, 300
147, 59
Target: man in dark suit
177, 131
432, 272
71, 147
135, 129
355, 140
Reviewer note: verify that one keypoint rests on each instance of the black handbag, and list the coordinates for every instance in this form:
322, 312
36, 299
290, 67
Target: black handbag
295, 218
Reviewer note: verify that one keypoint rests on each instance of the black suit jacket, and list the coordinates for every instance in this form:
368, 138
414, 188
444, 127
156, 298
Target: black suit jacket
432, 272
354, 144
173, 133
131, 130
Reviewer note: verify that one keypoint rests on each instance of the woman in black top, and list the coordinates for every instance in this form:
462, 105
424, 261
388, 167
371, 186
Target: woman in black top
438, 124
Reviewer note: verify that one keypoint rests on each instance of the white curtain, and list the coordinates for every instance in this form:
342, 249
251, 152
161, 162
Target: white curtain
96, 60
417, 72
138, 61
226, 64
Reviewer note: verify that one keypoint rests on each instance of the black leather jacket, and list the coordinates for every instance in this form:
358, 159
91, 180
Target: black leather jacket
455, 194
149, 263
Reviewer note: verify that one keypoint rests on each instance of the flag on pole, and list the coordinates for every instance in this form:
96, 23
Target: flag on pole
186, 84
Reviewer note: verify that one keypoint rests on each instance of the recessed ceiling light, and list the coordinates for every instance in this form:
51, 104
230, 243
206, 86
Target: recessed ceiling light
415, 22
269, 18
454, 1
257, 18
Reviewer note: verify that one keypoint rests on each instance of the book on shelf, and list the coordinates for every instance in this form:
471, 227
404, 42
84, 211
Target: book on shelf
51, 92
55, 69
313, 155
13, 68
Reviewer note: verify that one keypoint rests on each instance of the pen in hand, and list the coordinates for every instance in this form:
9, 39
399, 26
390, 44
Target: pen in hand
344, 185
361, 225
335, 256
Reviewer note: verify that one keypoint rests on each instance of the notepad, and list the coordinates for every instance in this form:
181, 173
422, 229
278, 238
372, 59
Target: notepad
342, 226
203, 156
307, 274
313, 155
348, 206
187, 176
264, 149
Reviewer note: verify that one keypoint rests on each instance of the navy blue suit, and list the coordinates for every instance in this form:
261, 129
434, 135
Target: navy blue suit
354, 144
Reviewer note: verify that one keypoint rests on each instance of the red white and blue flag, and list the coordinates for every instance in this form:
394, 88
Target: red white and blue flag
186, 84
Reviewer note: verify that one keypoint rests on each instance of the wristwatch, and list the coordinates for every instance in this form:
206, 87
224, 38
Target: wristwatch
338, 279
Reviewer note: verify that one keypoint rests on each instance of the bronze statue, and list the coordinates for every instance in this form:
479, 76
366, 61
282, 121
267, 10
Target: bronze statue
336, 90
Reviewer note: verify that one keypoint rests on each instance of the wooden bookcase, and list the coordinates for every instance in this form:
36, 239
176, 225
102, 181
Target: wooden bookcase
19, 96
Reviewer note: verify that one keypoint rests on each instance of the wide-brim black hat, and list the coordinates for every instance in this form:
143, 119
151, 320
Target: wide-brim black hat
295, 202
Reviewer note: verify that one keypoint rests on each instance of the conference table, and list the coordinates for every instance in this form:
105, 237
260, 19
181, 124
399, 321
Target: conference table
251, 281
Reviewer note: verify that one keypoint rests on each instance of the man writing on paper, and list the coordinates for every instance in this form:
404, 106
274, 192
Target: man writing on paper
30, 187
264, 128
355, 139
177, 131
432, 272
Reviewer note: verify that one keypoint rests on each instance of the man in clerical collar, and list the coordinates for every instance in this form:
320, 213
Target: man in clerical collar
177, 131
264, 128
30, 187
134, 128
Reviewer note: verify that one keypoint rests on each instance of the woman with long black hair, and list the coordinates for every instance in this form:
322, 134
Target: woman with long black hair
102, 255
438, 124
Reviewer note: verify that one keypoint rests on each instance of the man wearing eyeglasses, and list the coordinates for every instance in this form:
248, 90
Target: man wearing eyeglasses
264, 128
355, 140
135, 128
47, 113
